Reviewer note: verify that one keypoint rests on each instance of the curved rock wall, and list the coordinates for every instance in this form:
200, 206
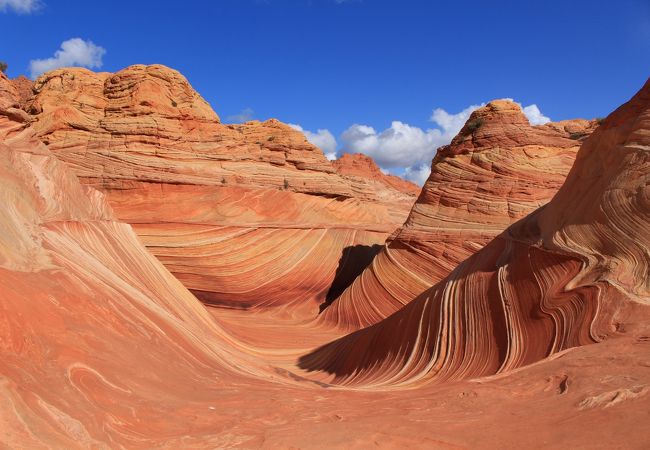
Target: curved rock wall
571, 273
498, 169
95, 333
246, 215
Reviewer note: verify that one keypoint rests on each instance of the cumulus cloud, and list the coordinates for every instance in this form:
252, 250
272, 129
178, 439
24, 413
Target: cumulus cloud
399, 145
534, 115
322, 139
403, 145
452, 123
73, 52
20, 6
418, 174
244, 115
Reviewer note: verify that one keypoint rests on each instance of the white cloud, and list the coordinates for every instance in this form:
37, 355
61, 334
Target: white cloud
534, 115
244, 115
322, 139
413, 148
403, 145
418, 174
20, 6
73, 52
397, 146
452, 123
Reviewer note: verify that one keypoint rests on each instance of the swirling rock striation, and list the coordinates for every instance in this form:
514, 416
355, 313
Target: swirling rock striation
97, 338
571, 273
244, 215
498, 169
100, 347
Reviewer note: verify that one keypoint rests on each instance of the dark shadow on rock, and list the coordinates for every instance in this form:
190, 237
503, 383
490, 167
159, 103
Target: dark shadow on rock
354, 259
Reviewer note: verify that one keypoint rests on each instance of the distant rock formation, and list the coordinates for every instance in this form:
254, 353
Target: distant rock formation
574, 272
360, 166
498, 169
246, 215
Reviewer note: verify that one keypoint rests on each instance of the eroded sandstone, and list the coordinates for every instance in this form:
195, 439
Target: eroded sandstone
498, 169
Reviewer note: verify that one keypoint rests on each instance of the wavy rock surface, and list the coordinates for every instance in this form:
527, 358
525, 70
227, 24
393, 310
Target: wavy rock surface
95, 334
244, 215
100, 347
498, 169
571, 273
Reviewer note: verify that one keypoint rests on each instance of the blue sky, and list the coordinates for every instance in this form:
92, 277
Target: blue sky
328, 64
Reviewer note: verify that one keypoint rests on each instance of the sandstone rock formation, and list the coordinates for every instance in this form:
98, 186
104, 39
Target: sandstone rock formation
573, 272
358, 166
23, 87
100, 347
498, 169
244, 215
92, 326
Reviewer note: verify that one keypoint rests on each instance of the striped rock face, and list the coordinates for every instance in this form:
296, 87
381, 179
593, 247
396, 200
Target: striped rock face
497, 170
91, 324
573, 272
245, 216
101, 347
361, 168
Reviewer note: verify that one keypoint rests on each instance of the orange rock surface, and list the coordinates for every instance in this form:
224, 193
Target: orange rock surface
498, 169
101, 347
359, 166
244, 215
92, 326
23, 87
574, 272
